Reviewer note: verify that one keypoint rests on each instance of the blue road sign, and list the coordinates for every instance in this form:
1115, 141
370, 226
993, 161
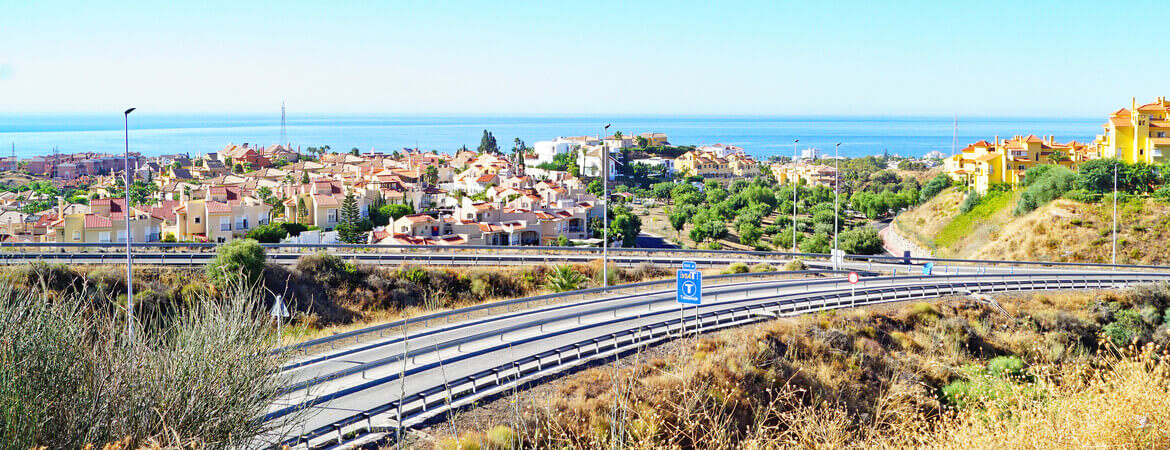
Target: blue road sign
689, 265
689, 287
927, 268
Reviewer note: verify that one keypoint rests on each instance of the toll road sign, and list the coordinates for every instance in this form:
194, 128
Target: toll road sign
853, 277
689, 287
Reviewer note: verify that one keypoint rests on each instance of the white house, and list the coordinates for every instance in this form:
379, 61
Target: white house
547, 150
590, 163
657, 161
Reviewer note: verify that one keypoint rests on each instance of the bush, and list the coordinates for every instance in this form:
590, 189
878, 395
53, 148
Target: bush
238, 261
268, 234
737, 268
294, 229
933, 187
1045, 183
72, 377
763, 267
327, 269
795, 265
1006, 367
818, 243
1127, 327
970, 202
1083, 196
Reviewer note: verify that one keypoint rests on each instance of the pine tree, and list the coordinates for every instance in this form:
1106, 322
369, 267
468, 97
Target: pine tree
302, 211
304, 177
487, 144
347, 227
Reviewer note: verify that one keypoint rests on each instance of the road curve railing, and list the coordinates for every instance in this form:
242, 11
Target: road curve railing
199, 253
657, 326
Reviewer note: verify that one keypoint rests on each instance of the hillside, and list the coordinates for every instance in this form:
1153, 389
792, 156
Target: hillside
952, 373
1063, 230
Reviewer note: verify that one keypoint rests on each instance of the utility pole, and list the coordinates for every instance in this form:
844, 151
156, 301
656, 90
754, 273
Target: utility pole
794, 186
605, 212
1115, 214
126, 214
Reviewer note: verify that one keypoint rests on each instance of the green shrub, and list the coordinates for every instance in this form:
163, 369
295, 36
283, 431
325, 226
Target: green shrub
1083, 196
970, 202
763, 267
818, 243
1006, 367
922, 312
795, 265
238, 261
1045, 183
933, 187
1127, 326
327, 269
268, 234
862, 240
737, 268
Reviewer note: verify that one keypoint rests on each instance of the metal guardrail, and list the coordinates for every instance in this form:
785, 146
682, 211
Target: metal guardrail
446, 317
431, 402
551, 251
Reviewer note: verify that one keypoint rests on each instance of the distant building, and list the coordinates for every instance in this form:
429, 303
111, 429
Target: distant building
1139, 134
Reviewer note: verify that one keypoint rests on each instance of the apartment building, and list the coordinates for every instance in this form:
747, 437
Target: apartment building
984, 164
1138, 134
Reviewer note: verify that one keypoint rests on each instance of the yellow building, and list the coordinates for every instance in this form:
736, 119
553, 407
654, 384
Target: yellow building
1138, 134
985, 164
809, 174
711, 166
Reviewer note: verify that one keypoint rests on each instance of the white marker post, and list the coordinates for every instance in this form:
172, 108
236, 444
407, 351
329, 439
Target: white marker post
853, 288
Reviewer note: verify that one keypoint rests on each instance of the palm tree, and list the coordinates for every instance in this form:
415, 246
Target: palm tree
563, 278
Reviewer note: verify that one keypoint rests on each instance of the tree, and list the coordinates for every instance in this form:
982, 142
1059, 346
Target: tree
348, 230
304, 177
238, 261
626, 227
264, 192
749, 234
518, 146
933, 187
642, 141
1097, 175
818, 243
862, 241
563, 241
487, 144
431, 174
354, 151
594, 187
302, 211
678, 220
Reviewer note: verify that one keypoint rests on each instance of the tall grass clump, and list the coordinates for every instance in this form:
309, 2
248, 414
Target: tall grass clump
71, 376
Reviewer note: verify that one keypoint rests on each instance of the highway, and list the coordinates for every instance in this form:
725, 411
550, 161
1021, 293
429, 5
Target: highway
354, 392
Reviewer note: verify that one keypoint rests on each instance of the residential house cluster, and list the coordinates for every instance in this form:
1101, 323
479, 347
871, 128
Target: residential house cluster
1005, 161
708, 163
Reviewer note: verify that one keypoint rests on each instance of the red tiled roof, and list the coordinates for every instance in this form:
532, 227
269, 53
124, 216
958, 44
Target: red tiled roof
325, 200
96, 221
214, 207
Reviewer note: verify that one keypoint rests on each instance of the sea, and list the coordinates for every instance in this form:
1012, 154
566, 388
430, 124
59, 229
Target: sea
760, 136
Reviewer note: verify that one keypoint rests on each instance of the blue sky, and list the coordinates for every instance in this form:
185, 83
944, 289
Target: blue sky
991, 58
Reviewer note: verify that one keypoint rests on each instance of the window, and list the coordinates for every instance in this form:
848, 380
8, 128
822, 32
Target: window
1021, 167
77, 235
197, 219
1161, 134
104, 236
121, 235
225, 224
332, 215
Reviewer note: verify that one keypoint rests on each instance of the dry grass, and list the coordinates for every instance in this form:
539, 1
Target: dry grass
866, 379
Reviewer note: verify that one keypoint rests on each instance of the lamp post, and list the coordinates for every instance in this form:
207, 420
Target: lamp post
1115, 214
605, 211
794, 185
126, 214
836, 191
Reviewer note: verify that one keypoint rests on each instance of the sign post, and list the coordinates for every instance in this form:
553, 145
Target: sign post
278, 312
927, 268
853, 288
688, 290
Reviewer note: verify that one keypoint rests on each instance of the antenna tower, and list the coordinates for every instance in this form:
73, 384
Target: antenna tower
283, 133
955, 137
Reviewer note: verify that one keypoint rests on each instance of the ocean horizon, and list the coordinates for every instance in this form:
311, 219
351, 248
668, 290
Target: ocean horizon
761, 136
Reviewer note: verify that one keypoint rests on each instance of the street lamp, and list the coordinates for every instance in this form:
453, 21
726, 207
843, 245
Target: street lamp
605, 211
793, 181
126, 214
1115, 214
836, 192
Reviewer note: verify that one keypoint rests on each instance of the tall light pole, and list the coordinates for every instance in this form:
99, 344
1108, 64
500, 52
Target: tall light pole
794, 185
605, 211
126, 214
836, 191
1115, 214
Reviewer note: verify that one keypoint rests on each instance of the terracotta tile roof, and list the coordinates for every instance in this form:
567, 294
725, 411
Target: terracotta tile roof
96, 221
988, 157
419, 218
324, 200
214, 207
